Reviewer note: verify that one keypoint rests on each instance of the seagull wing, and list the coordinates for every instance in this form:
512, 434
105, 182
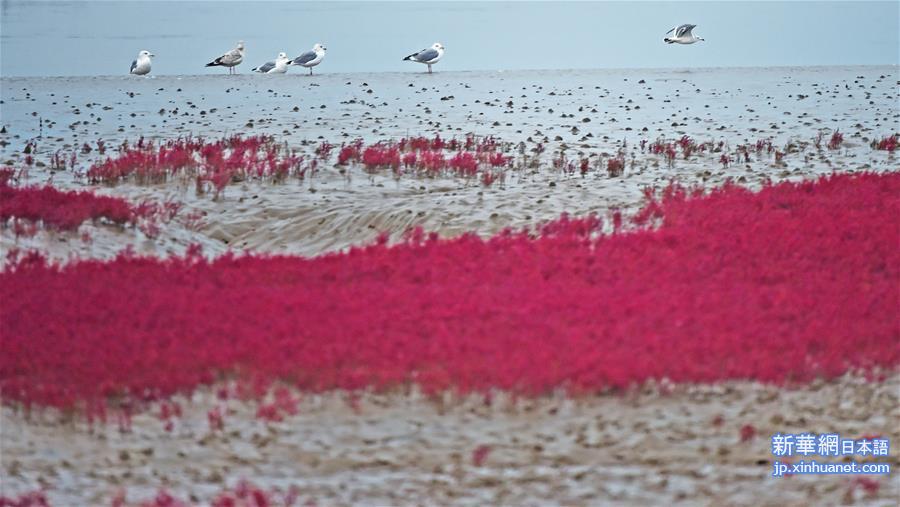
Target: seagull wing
228, 58
415, 56
672, 30
684, 30
133, 66
305, 58
218, 61
426, 55
266, 67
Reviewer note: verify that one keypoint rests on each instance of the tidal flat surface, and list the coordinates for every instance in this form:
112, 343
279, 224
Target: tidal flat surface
576, 114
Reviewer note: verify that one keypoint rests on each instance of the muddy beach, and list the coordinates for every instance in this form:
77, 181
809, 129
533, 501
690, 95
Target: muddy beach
702, 445
655, 445
572, 114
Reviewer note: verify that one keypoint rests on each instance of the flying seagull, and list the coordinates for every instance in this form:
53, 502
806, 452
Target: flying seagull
428, 56
682, 35
230, 59
311, 58
279, 66
141, 65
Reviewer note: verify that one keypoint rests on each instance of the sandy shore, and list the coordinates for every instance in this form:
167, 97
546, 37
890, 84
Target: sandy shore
651, 447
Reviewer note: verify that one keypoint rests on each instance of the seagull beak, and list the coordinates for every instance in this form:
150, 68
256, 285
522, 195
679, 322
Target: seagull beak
151, 54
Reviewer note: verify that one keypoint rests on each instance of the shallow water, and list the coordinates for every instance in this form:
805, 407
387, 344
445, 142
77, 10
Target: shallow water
86, 38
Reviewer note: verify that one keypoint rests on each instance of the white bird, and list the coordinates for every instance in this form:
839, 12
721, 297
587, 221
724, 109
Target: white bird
428, 56
279, 66
682, 35
311, 58
230, 59
141, 65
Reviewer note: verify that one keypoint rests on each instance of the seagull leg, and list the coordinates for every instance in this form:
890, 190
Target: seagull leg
310, 71
429, 68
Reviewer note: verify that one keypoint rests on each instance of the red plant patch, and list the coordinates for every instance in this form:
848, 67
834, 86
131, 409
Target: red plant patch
795, 282
748, 432
214, 163
464, 164
243, 494
836, 140
616, 166
32, 499
378, 157
888, 144
867, 484
67, 210
480, 454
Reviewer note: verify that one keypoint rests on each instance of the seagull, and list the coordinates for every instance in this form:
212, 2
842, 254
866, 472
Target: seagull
230, 59
310, 59
279, 66
428, 56
682, 35
141, 65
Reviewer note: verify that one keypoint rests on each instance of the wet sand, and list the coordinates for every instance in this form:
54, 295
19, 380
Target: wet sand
681, 444
593, 114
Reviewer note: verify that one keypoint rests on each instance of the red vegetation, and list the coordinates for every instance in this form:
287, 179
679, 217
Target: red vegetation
283, 403
244, 494
376, 157
836, 140
480, 454
794, 282
748, 432
350, 152
888, 144
615, 166
33, 499
430, 156
464, 163
212, 163
498, 160
669, 149
323, 151
7, 175
67, 210
489, 177
867, 484
687, 146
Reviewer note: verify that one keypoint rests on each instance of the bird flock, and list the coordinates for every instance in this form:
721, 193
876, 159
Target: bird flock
681, 34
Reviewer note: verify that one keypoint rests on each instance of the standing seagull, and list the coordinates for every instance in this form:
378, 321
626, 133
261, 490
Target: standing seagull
682, 35
141, 66
310, 59
279, 66
230, 59
428, 56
